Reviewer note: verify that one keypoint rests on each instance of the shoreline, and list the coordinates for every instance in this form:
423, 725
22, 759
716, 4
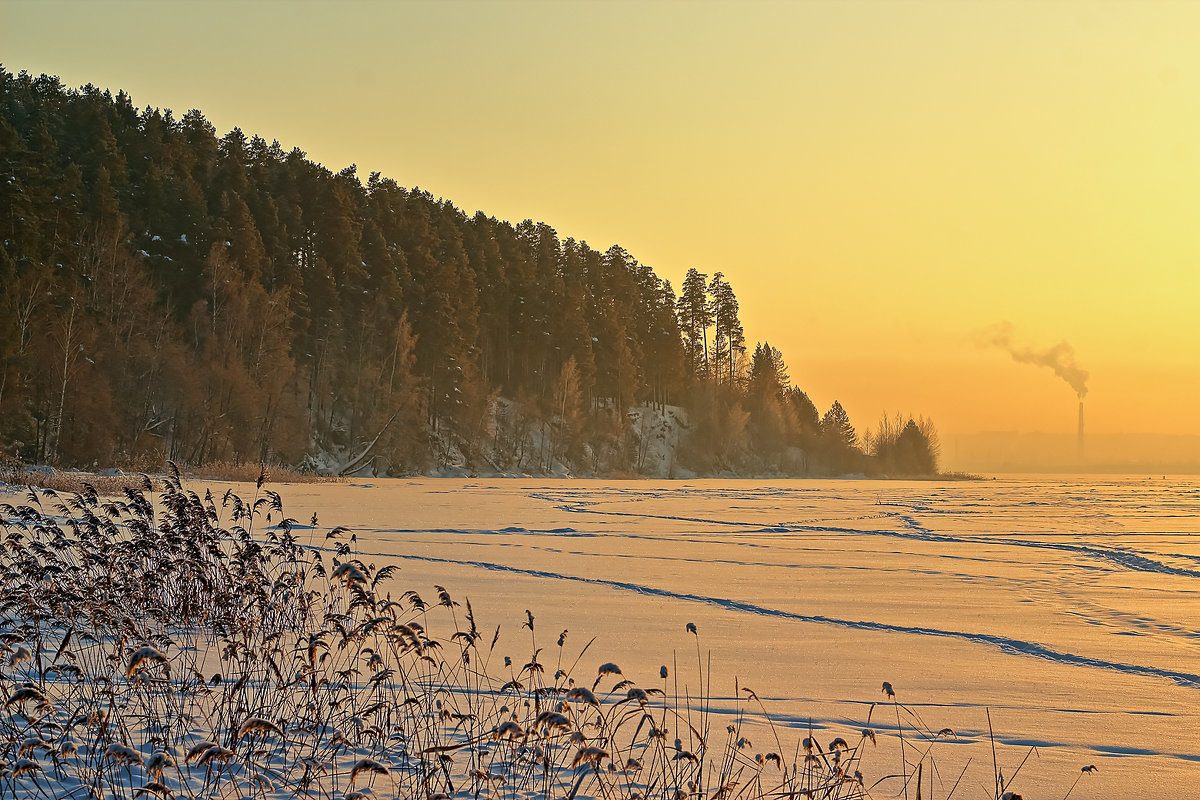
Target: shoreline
115, 479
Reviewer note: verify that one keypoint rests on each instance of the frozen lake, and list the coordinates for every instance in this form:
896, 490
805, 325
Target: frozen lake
1068, 607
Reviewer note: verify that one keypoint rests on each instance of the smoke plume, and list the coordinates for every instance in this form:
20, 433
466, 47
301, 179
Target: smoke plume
1060, 357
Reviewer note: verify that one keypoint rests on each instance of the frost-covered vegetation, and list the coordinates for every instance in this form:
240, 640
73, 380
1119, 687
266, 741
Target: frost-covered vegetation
198, 646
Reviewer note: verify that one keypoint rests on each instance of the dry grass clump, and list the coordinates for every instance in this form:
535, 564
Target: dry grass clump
105, 485
208, 647
250, 473
110, 485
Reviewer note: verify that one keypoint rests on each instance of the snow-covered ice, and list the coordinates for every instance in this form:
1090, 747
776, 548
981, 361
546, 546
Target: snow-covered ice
1068, 607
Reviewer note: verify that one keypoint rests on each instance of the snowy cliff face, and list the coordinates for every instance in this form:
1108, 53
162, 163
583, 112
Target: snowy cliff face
513, 441
658, 432
518, 439
644, 443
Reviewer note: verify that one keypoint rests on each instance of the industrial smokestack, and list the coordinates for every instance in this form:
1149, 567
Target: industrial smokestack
1081, 430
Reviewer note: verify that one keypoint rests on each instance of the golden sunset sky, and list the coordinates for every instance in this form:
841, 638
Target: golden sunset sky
879, 181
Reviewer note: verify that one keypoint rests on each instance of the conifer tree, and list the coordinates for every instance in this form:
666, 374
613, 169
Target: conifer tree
728, 338
836, 427
695, 315
914, 452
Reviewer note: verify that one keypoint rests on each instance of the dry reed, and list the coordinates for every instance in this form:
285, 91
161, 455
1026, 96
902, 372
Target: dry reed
184, 645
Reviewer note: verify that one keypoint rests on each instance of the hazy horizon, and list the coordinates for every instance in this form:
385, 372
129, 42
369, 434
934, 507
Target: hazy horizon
881, 184
1051, 452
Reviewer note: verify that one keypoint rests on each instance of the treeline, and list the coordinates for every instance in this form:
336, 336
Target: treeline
166, 292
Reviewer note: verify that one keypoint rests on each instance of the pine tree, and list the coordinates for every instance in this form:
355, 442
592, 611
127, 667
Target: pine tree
695, 315
729, 340
836, 428
915, 453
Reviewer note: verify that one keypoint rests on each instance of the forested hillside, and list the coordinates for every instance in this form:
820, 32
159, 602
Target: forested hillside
167, 292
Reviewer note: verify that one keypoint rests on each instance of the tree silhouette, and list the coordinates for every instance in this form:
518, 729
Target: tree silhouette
166, 291
836, 427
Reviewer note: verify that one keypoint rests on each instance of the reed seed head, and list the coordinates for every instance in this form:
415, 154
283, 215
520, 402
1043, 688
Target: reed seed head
367, 765
142, 658
122, 754
588, 755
